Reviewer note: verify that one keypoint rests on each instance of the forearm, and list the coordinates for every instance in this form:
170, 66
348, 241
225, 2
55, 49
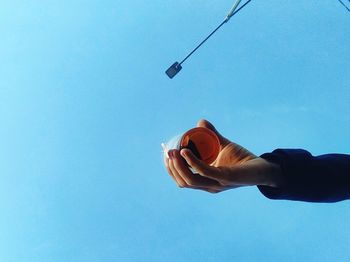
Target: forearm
304, 177
258, 172
270, 174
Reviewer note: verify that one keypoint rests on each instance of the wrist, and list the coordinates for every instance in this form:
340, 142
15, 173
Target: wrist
271, 174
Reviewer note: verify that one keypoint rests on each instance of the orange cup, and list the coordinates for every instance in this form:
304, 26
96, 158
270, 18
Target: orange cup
203, 143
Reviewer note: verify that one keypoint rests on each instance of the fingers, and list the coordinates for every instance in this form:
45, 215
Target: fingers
173, 173
203, 169
184, 177
196, 163
207, 124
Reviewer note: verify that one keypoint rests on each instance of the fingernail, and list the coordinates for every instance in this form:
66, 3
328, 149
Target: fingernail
183, 153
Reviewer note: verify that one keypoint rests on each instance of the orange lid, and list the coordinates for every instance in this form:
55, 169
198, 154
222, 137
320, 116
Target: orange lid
202, 142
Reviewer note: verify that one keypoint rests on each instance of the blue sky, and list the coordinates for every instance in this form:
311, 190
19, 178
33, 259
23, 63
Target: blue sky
85, 104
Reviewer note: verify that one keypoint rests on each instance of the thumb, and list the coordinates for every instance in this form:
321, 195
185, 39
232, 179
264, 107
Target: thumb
197, 164
207, 124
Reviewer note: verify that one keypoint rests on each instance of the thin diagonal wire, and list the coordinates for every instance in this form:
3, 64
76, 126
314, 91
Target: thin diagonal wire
216, 29
194, 50
347, 8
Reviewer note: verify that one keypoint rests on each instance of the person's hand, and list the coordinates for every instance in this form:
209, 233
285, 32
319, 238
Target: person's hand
235, 166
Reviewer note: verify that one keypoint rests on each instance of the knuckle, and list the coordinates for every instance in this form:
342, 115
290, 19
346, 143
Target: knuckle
190, 183
223, 183
183, 184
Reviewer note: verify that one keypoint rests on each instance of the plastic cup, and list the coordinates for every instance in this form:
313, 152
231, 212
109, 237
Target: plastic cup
203, 143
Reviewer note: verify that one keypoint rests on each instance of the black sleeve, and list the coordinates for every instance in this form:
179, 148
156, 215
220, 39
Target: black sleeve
324, 178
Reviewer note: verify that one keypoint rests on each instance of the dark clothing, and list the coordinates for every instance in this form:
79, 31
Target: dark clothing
324, 178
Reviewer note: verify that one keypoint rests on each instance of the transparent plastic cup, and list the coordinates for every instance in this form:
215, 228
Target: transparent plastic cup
203, 143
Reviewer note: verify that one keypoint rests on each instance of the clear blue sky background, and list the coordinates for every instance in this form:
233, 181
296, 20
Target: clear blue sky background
85, 104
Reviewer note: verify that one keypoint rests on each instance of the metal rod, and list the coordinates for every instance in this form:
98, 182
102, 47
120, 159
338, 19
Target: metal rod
233, 9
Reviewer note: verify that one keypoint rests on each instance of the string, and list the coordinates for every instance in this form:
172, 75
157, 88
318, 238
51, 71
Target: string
347, 8
216, 29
